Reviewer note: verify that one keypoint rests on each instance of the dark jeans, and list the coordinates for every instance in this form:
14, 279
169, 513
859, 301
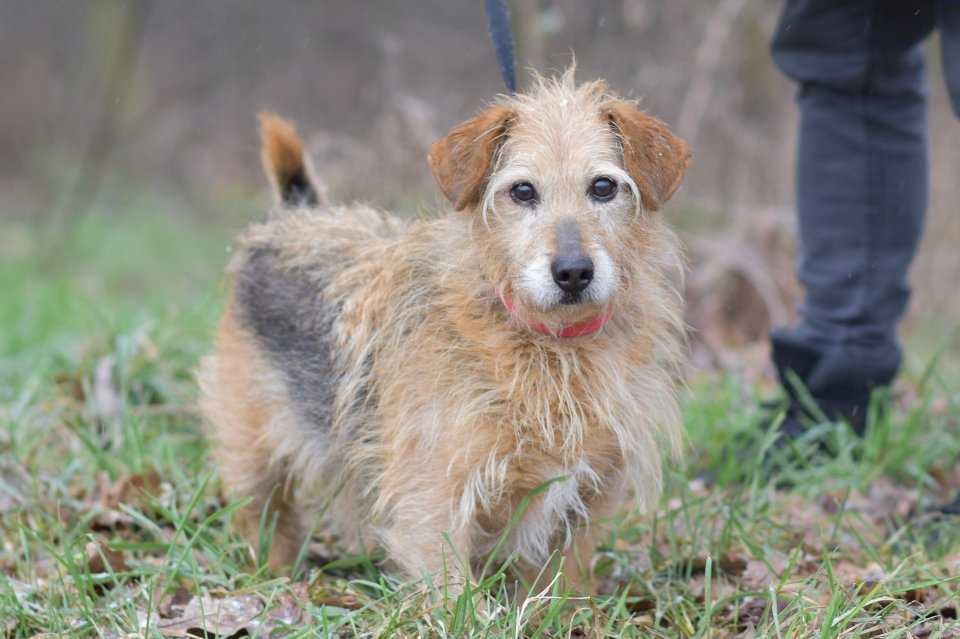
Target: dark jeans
861, 183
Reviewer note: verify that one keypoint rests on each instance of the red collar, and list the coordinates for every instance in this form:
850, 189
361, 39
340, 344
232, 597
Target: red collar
582, 328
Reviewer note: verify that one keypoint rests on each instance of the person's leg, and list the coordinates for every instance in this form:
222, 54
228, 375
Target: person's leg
861, 183
948, 20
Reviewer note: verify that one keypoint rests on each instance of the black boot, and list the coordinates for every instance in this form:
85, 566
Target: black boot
828, 385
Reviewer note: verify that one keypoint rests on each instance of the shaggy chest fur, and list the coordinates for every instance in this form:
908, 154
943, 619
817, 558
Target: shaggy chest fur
547, 433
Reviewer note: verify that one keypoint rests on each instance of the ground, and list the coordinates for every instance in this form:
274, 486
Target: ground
111, 522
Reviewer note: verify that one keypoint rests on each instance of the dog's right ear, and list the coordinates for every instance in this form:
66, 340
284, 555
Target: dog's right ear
461, 161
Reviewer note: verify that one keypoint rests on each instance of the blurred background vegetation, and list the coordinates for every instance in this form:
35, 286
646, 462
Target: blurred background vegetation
130, 151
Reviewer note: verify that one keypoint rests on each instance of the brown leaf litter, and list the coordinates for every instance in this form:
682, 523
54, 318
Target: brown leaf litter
222, 615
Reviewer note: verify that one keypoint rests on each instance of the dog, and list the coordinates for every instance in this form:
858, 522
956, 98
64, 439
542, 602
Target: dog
502, 375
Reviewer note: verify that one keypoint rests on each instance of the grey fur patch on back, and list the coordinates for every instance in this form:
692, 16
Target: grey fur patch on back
285, 310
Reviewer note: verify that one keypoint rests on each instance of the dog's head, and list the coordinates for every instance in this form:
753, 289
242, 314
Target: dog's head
563, 183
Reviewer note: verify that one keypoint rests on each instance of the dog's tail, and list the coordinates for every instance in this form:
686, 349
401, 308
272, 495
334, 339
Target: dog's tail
286, 165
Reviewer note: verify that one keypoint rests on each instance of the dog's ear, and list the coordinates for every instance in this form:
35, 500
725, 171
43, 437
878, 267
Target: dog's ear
461, 161
654, 157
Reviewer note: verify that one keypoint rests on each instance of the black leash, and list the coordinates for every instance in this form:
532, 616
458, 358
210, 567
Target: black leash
498, 24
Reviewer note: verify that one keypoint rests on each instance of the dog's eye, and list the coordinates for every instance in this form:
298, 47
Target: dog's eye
523, 193
603, 189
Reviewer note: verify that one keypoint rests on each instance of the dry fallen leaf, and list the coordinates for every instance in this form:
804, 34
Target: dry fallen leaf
730, 563
131, 489
884, 500
943, 607
219, 617
641, 605
212, 617
811, 526
71, 385
851, 575
642, 621
135, 489
286, 610
720, 588
952, 564
751, 611
171, 606
101, 558
323, 593
7, 627
758, 575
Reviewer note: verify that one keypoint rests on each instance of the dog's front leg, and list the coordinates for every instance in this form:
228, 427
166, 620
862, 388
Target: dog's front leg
576, 565
578, 556
272, 511
578, 576
573, 562
424, 540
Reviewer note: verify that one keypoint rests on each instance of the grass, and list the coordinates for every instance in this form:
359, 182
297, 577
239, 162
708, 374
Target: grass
111, 523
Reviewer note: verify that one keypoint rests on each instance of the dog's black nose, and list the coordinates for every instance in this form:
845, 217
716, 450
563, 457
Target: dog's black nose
572, 274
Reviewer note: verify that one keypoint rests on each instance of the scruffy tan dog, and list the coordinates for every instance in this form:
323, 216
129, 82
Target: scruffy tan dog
424, 377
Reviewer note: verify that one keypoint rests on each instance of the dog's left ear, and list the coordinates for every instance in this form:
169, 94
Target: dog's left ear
461, 161
654, 157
